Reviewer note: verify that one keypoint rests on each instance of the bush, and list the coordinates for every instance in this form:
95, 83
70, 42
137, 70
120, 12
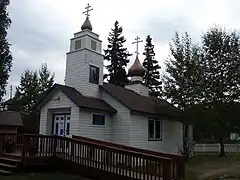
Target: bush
32, 147
10, 145
187, 148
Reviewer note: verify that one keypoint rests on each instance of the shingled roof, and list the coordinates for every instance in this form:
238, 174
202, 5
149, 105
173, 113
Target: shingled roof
10, 118
77, 98
143, 104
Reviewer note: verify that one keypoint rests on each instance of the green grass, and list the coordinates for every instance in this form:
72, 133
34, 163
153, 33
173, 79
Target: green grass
212, 166
190, 175
41, 176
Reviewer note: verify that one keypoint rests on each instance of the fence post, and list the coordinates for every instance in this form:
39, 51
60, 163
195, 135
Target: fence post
54, 146
182, 168
23, 146
2, 142
166, 170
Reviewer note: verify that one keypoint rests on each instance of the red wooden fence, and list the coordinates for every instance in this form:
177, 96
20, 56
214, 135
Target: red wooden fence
100, 157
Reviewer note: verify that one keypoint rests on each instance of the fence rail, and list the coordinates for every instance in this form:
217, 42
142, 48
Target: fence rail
177, 162
127, 162
215, 148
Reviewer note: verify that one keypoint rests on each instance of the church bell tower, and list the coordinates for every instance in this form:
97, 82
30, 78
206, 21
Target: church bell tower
84, 64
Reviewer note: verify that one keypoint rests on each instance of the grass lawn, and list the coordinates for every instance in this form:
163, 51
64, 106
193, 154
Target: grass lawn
212, 166
42, 176
198, 168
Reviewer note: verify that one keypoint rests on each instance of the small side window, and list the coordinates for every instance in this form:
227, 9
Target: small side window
151, 129
78, 44
154, 130
94, 74
93, 45
98, 120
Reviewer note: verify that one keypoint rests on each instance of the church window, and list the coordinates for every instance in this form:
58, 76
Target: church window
68, 129
98, 120
93, 45
154, 130
94, 74
56, 129
78, 44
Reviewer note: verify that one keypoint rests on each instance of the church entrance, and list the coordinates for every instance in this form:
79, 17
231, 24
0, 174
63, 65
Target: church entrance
62, 124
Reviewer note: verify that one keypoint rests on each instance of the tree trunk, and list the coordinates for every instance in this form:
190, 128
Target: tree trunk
222, 151
185, 142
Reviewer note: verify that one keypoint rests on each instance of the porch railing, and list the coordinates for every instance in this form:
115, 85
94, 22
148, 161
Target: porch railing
131, 163
177, 170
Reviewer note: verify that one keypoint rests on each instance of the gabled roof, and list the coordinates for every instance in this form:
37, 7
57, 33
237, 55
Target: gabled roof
77, 98
136, 102
9, 102
11, 105
10, 118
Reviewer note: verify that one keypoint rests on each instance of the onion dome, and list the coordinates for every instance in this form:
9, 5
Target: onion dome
87, 25
136, 69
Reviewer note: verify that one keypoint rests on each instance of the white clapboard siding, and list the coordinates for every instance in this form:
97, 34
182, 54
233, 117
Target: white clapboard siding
86, 128
171, 135
121, 120
64, 105
77, 71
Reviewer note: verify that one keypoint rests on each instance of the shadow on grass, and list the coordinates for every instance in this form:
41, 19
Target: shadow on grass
42, 176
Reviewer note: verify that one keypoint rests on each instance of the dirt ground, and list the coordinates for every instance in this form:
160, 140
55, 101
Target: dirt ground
212, 167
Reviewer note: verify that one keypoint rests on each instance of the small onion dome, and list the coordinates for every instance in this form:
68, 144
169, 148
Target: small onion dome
87, 25
136, 69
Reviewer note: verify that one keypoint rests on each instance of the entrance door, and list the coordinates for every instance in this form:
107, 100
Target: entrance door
62, 124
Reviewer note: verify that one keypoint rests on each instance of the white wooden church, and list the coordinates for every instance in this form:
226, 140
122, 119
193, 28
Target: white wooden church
86, 106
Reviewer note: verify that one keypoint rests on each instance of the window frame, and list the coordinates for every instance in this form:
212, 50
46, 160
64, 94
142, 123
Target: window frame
154, 129
92, 41
78, 40
98, 71
97, 125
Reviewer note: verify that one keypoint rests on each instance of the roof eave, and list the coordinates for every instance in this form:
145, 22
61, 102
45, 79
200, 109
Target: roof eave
114, 111
101, 86
160, 115
11, 125
48, 94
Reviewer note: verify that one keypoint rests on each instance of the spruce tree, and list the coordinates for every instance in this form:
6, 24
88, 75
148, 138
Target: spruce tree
152, 75
5, 54
117, 57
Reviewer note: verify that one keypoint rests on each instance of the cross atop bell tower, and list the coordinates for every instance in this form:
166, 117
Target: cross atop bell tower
84, 67
87, 24
88, 9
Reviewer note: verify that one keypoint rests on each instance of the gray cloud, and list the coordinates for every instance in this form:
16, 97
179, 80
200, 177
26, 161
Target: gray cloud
163, 30
35, 41
41, 30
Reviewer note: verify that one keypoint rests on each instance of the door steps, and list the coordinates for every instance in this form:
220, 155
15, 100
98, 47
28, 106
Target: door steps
8, 165
5, 173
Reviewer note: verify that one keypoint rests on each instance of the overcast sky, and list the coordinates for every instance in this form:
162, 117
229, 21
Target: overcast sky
41, 29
